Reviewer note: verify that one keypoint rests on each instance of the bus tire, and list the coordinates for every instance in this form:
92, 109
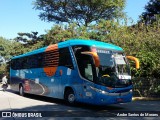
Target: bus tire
70, 96
21, 90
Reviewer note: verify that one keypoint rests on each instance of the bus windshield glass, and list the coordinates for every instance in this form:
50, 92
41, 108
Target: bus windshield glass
113, 70
122, 66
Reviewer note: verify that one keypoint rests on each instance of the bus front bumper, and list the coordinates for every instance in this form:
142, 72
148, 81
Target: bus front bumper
113, 98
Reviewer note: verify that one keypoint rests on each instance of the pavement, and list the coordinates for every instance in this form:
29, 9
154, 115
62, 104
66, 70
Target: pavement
145, 99
10, 101
9, 87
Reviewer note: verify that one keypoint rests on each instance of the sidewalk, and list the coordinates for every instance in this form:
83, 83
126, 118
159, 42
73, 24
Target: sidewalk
0, 86
7, 87
145, 99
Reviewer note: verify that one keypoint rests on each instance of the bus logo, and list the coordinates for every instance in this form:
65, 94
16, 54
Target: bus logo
6, 114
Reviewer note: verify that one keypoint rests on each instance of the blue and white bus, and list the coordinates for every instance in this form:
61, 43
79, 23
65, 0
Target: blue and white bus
75, 70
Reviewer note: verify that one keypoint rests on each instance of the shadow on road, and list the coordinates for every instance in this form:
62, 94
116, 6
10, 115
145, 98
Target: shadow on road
60, 108
76, 105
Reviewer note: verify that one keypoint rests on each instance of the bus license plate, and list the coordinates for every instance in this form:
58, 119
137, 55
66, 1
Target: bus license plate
119, 100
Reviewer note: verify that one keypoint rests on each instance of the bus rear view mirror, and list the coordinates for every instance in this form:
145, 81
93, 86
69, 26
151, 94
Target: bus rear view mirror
95, 57
134, 59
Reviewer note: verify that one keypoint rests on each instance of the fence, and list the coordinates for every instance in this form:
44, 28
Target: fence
146, 87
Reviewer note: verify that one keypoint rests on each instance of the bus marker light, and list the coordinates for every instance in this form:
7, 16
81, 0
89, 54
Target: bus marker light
109, 88
81, 95
119, 100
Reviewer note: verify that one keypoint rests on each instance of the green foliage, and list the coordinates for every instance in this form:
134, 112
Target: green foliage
146, 87
79, 11
152, 7
7, 48
2, 69
29, 38
152, 11
6, 51
10, 48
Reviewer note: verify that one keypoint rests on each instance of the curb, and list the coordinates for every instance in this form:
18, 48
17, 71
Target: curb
145, 99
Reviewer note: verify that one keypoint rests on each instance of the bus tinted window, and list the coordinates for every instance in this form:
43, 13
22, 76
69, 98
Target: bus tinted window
16, 64
46, 59
35, 61
65, 58
85, 62
32, 61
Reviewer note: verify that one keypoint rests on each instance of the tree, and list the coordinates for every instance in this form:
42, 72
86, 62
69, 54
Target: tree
82, 12
152, 11
29, 38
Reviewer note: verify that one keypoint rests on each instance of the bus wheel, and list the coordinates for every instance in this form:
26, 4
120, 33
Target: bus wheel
69, 96
21, 90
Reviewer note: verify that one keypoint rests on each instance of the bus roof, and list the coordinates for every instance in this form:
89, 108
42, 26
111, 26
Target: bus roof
89, 43
73, 42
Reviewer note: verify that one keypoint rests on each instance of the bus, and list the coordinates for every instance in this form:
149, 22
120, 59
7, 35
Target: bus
75, 70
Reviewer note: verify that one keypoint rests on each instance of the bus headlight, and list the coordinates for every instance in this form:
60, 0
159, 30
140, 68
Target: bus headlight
98, 90
104, 92
131, 91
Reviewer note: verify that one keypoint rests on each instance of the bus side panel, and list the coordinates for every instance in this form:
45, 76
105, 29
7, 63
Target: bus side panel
30, 81
46, 81
35, 81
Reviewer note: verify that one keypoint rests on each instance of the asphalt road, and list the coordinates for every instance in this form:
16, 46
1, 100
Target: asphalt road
15, 107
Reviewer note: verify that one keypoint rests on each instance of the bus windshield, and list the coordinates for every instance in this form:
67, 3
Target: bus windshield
113, 70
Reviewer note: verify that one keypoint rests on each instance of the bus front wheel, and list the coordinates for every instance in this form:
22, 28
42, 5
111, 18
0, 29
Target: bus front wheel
69, 96
21, 90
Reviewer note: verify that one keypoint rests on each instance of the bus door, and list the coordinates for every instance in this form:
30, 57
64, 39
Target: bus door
86, 67
89, 93
87, 72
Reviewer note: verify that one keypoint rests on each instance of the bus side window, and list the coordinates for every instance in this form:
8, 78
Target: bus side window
24, 62
18, 64
84, 62
88, 72
36, 61
65, 58
14, 64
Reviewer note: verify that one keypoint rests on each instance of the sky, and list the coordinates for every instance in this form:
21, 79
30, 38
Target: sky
19, 16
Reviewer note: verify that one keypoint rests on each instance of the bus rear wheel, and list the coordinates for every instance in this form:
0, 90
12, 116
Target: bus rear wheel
70, 97
21, 90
